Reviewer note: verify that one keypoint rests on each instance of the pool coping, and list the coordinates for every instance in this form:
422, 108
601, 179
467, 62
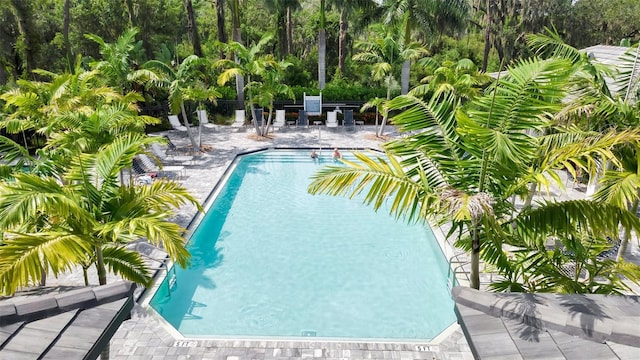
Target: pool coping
146, 296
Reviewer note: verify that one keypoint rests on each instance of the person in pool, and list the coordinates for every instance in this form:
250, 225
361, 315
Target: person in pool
336, 154
314, 155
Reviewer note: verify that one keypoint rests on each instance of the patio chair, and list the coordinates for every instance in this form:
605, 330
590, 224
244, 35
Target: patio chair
612, 251
332, 119
175, 123
139, 175
257, 116
150, 166
204, 119
349, 125
161, 154
171, 147
240, 118
279, 120
303, 120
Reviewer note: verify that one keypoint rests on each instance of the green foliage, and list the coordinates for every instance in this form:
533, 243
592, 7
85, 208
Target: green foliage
296, 74
338, 92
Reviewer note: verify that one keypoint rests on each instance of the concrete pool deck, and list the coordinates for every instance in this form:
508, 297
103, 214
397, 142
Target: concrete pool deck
147, 337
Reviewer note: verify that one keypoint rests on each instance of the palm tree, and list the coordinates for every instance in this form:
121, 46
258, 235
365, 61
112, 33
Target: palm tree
376, 103
87, 218
32, 106
430, 17
347, 7
117, 63
269, 88
177, 81
199, 92
236, 36
598, 108
387, 52
467, 162
461, 78
248, 63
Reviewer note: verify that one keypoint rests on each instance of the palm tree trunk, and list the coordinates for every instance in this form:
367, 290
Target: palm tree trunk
289, 31
186, 123
406, 68
85, 275
237, 37
322, 49
102, 271
322, 53
222, 32
532, 191
265, 131
594, 181
252, 109
342, 42
193, 28
474, 277
282, 32
386, 114
624, 244
43, 275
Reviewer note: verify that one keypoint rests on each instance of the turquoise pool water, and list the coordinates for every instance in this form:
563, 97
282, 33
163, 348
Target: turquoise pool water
271, 260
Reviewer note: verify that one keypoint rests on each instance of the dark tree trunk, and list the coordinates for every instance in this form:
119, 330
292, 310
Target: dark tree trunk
21, 10
193, 28
130, 12
237, 37
65, 33
289, 32
282, 33
342, 47
487, 37
222, 33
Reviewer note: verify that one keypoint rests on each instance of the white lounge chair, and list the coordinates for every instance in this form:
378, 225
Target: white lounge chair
163, 156
240, 118
279, 120
332, 119
175, 123
151, 166
204, 119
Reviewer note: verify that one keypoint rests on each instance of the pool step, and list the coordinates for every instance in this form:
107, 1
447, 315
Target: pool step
324, 157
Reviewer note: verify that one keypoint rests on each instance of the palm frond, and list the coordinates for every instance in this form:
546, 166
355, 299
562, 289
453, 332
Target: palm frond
574, 216
23, 255
380, 181
127, 263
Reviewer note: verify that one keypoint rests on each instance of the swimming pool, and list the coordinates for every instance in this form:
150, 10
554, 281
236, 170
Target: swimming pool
271, 260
